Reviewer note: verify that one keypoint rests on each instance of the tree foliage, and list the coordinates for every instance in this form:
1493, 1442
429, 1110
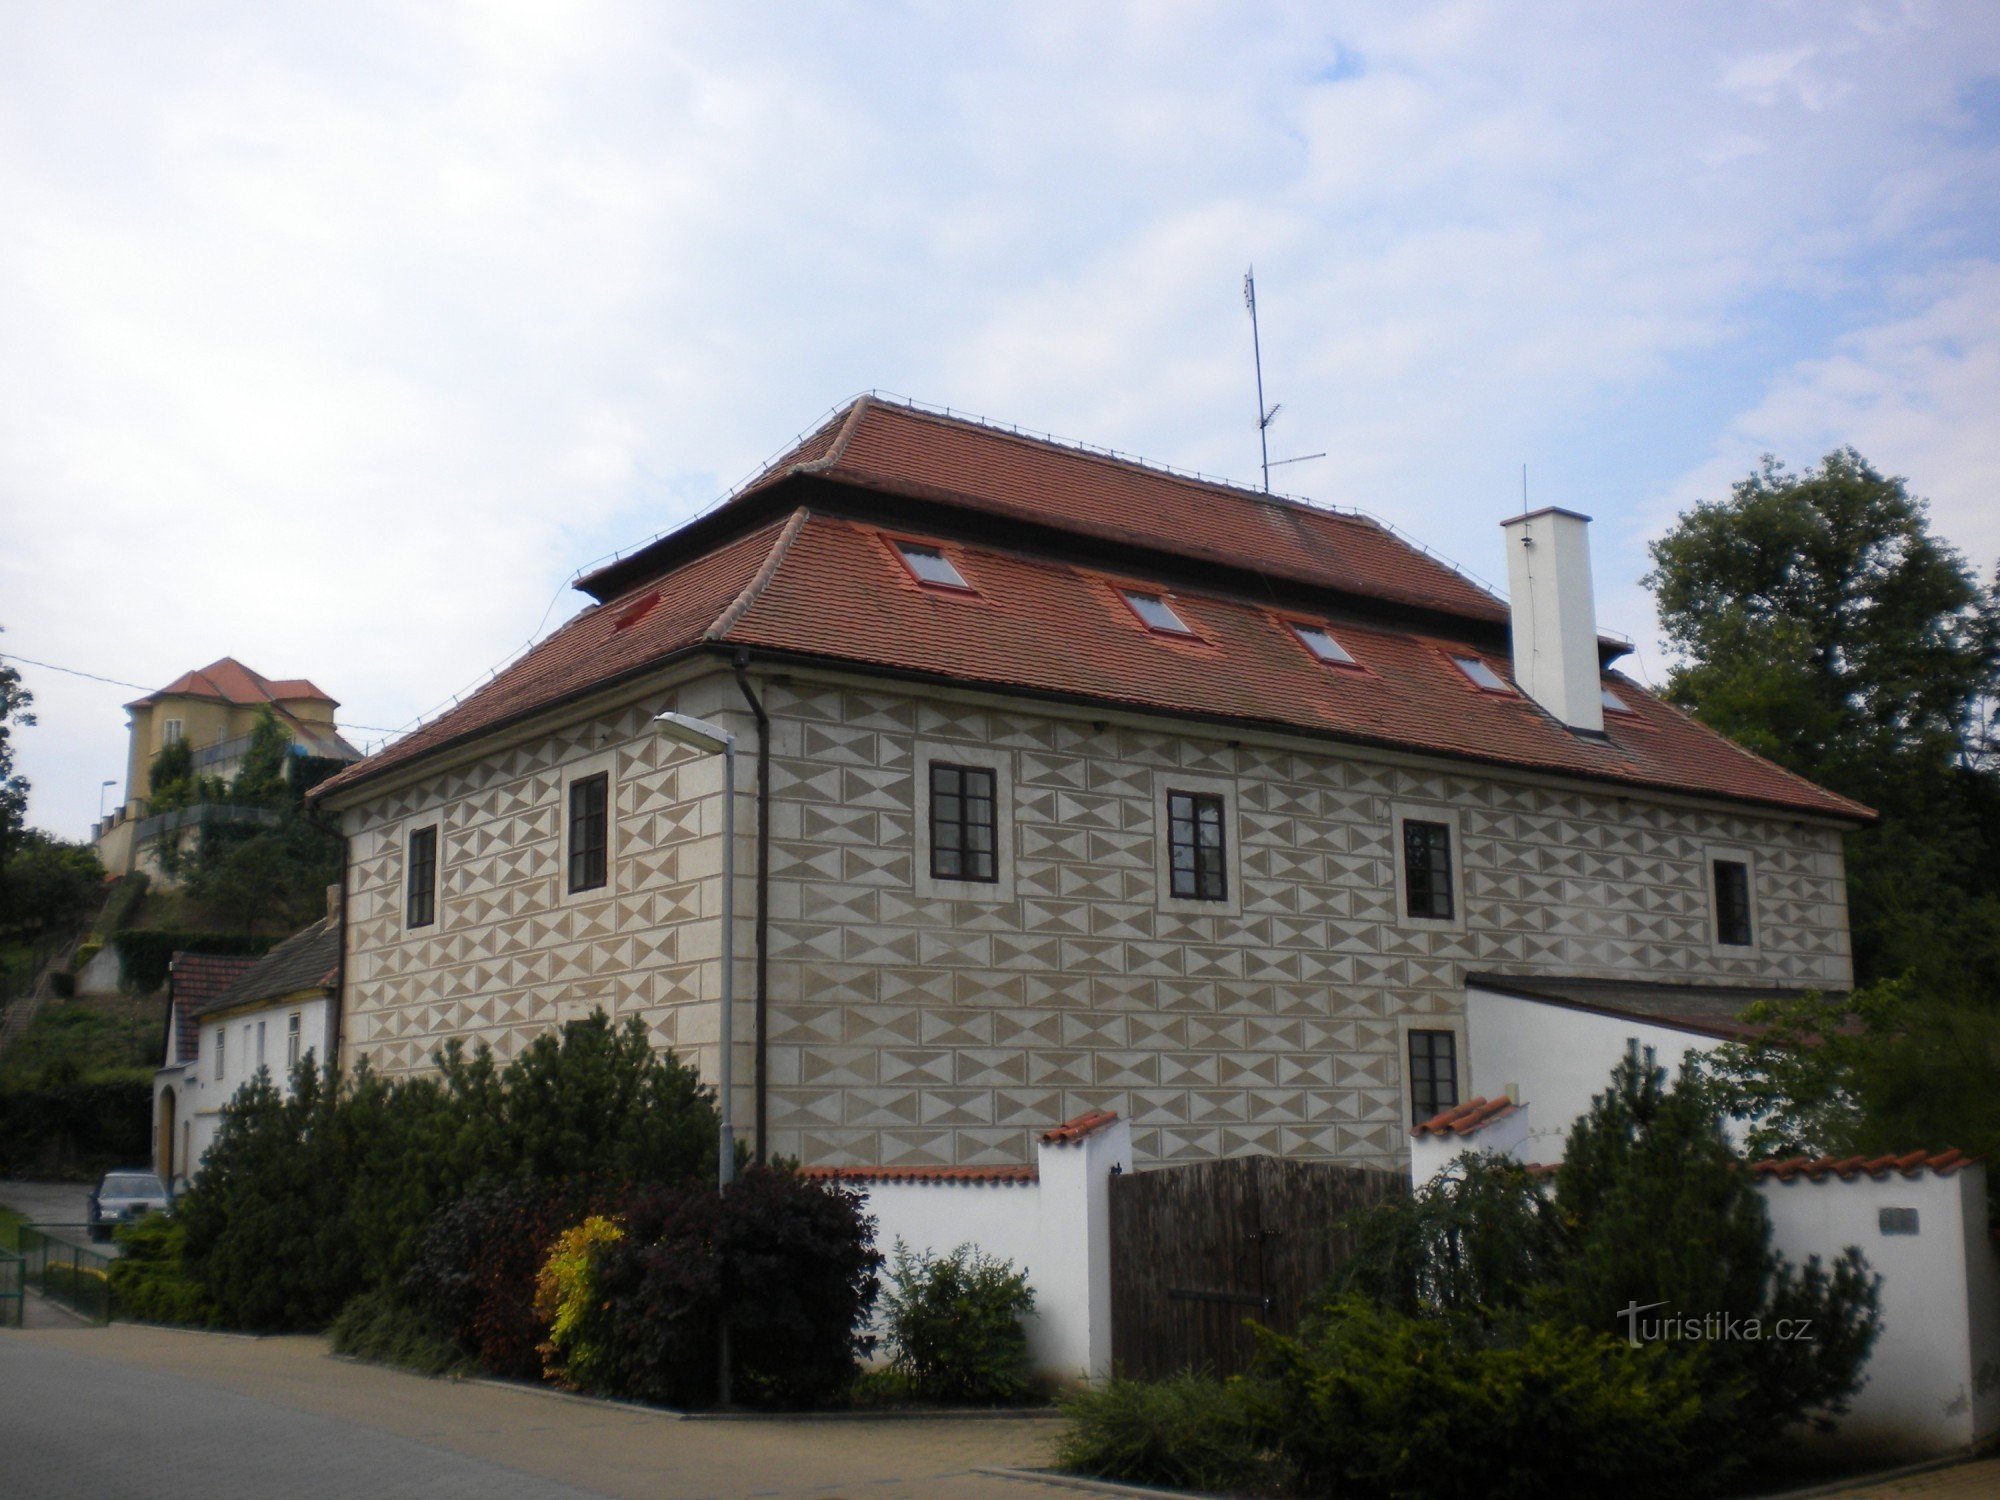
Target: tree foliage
1821, 624
16, 712
49, 887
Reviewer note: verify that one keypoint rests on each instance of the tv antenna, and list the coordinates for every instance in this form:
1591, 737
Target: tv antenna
1265, 415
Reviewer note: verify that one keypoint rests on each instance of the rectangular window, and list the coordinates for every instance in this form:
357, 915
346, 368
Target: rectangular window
260, 1044
1427, 869
420, 878
929, 565
291, 1041
589, 831
1732, 903
1319, 640
1155, 612
1482, 676
172, 736
1195, 851
1433, 1074
221, 1040
1613, 703
965, 823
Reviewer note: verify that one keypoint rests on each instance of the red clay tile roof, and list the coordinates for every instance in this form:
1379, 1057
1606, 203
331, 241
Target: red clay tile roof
826, 588
229, 681
1002, 1174
897, 449
197, 978
1468, 1118
1848, 1168
1086, 1124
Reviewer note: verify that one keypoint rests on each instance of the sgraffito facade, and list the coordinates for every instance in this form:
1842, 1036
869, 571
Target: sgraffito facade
913, 1019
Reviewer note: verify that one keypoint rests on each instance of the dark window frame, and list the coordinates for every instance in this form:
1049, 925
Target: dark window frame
588, 845
1197, 869
957, 831
1735, 906
420, 859
1429, 876
1433, 1063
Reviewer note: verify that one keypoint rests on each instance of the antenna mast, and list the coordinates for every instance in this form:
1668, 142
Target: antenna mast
1264, 417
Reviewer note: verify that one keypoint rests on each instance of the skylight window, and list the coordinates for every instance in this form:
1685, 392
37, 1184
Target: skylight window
1319, 640
1155, 612
1482, 676
1615, 703
930, 565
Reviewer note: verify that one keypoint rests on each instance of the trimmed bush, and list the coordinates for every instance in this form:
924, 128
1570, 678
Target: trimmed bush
1371, 1402
1191, 1431
150, 1280
789, 1262
377, 1326
955, 1326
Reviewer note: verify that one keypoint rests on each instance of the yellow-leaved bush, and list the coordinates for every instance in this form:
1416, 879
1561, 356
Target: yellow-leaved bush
566, 1299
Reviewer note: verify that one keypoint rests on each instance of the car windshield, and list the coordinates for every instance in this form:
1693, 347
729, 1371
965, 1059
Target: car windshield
132, 1185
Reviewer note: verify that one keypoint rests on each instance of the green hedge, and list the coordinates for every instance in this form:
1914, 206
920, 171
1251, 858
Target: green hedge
147, 954
75, 1130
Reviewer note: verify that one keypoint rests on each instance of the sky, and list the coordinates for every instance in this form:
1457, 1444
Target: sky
339, 338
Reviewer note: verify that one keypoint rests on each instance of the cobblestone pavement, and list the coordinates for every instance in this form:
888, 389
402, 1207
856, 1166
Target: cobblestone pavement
160, 1414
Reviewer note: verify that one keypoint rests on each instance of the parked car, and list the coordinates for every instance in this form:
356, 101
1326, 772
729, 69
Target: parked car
127, 1194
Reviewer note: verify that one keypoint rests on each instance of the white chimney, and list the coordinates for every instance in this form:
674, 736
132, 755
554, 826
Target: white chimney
1555, 616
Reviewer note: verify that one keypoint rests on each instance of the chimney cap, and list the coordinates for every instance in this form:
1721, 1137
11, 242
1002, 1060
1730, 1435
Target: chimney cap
1546, 510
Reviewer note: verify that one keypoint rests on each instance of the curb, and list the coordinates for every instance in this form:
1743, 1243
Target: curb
1058, 1481
1885, 1476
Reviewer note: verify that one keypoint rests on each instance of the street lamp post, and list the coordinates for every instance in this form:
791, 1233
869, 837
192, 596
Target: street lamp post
702, 734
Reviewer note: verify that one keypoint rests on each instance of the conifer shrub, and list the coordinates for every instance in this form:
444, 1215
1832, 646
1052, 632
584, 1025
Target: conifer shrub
385, 1329
1189, 1431
788, 1262
149, 1280
954, 1325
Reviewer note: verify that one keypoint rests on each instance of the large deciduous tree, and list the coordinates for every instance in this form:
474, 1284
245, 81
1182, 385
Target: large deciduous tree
1819, 622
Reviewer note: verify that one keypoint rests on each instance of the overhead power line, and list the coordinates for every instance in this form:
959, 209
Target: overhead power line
49, 666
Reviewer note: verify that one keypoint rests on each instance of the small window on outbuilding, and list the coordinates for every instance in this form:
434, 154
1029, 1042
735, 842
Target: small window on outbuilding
1154, 612
1481, 675
1733, 925
291, 1041
928, 564
1319, 640
1433, 1074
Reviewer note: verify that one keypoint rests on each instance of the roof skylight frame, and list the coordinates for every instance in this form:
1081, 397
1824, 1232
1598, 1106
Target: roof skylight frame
1612, 702
1479, 672
1305, 631
917, 555
1153, 608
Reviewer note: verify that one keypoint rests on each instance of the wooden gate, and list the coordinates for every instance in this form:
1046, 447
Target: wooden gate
1198, 1250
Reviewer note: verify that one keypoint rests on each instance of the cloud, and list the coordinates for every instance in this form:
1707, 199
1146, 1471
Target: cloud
336, 338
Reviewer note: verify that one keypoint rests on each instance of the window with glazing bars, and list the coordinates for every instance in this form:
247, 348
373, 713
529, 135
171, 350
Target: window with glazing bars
589, 831
1427, 869
1732, 903
292, 1041
420, 887
965, 823
1196, 855
1433, 1074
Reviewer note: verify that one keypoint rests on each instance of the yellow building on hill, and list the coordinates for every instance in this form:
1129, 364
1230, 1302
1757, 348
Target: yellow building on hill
213, 711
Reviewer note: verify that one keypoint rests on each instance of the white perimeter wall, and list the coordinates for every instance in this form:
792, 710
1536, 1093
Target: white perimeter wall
1934, 1376
1555, 1058
1057, 1230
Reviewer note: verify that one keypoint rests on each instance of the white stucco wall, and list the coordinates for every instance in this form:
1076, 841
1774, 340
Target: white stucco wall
1056, 1229
204, 1094
1933, 1380
1556, 1057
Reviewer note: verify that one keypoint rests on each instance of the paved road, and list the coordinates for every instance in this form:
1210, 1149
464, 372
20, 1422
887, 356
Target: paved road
156, 1414
53, 1203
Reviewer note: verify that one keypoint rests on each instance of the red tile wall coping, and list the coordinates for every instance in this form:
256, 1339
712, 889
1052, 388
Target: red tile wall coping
1467, 1118
1071, 1131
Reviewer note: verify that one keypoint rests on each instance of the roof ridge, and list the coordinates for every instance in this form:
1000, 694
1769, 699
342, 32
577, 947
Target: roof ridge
760, 580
